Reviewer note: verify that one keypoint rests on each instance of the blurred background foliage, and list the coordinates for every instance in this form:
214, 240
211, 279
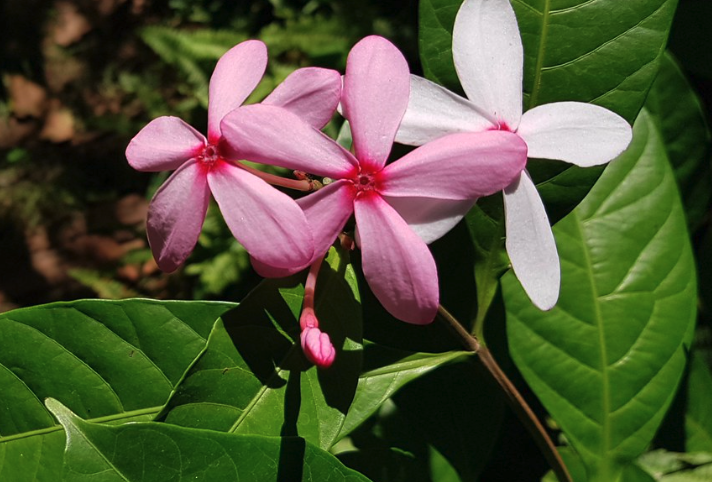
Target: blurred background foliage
81, 77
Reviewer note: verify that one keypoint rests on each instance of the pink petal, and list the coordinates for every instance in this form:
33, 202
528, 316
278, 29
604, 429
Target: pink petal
176, 215
396, 263
488, 55
273, 135
317, 347
163, 145
235, 77
430, 218
458, 167
530, 243
327, 210
312, 93
433, 112
267, 222
575, 132
375, 97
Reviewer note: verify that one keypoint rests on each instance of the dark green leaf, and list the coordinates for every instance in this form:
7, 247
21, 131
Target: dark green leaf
435, 41
161, 452
457, 410
605, 362
680, 117
109, 361
253, 377
698, 416
387, 370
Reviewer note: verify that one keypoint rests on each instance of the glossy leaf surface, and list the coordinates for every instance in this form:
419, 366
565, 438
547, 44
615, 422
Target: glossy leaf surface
110, 361
162, 452
677, 110
605, 361
253, 377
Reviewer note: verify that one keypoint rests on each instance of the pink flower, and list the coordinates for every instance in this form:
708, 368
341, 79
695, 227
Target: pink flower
488, 56
392, 203
267, 222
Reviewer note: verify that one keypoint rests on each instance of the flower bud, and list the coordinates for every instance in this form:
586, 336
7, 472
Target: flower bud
317, 347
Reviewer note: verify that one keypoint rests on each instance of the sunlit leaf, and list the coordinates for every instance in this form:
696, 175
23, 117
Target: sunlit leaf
108, 361
606, 360
162, 452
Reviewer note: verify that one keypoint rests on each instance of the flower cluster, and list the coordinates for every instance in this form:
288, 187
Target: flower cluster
469, 149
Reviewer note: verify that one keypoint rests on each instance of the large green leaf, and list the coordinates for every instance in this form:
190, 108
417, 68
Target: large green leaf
253, 377
681, 120
605, 362
109, 361
160, 452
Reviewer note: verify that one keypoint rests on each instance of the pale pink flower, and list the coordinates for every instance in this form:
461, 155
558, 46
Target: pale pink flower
488, 55
392, 203
267, 222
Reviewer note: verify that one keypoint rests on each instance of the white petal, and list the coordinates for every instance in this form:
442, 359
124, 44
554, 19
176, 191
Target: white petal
488, 55
430, 218
575, 132
433, 112
530, 243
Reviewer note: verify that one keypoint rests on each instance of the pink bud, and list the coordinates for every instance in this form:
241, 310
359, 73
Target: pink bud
317, 347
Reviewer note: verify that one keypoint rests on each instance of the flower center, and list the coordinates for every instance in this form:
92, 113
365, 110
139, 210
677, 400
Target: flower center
364, 182
209, 155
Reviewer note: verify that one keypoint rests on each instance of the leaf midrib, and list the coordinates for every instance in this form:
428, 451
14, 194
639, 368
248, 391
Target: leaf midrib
605, 382
104, 419
533, 98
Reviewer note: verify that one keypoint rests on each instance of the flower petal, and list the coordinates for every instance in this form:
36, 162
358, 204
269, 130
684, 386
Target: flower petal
488, 55
396, 263
274, 135
433, 112
312, 93
236, 75
430, 218
163, 145
459, 166
327, 210
530, 243
266, 221
176, 215
575, 132
375, 97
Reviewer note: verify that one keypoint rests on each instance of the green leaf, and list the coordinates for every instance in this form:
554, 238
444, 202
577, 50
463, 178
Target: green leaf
457, 410
667, 466
680, 117
698, 416
253, 377
436, 18
387, 370
161, 452
194, 53
605, 362
109, 361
